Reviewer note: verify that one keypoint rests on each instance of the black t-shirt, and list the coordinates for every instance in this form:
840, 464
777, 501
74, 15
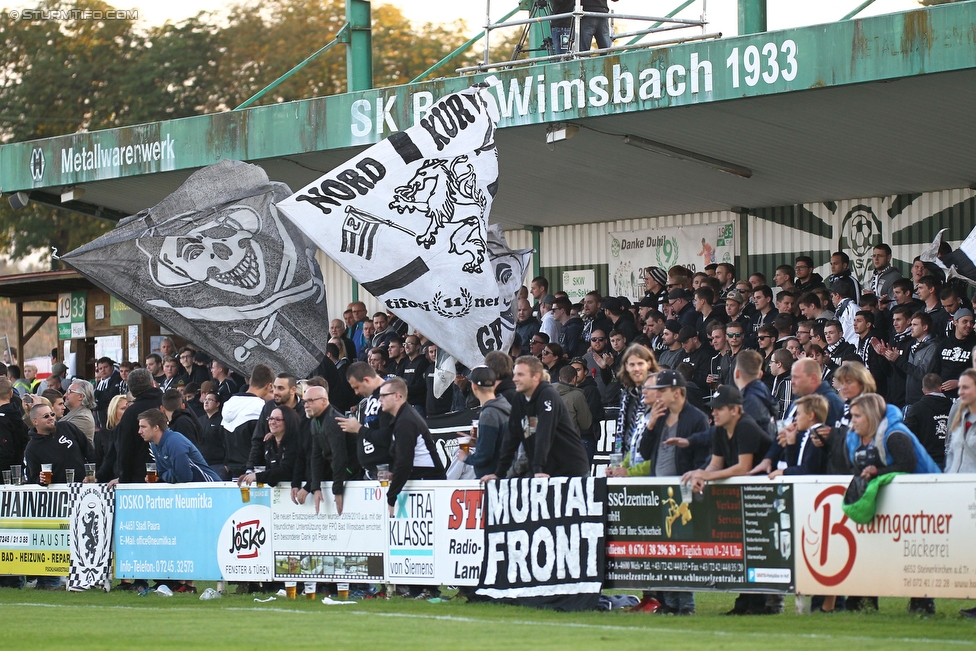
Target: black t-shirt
748, 438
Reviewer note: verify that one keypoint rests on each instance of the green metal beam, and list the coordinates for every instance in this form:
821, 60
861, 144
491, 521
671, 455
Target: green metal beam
536, 246
471, 41
674, 13
864, 5
342, 36
359, 52
752, 17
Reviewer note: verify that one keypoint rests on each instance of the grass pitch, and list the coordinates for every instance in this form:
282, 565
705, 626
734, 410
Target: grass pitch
32, 619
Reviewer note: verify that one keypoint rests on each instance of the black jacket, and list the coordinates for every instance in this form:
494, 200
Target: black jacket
408, 426
333, 453
241, 414
212, 444
13, 436
66, 448
929, 421
133, 452
571, 338
690, 421
595, 402
415, 375
186, 424
555, 448
104, 396
279, 459
375, 442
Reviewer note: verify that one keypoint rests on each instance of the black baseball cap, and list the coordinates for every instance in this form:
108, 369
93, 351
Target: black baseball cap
677, 293
726, 395
687, 333
668, 379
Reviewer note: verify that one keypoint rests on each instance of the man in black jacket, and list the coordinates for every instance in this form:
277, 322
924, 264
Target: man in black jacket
552, 445
333, 451
415, 373
241, 413
133, 452
929, 418
107, 387
411, 460
372, 425
180, 420
60, 444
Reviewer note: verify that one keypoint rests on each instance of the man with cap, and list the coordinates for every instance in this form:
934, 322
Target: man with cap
738, 444
549, 325
682, 309
842, 296
698, 355
672, 355
955, 353
655, 285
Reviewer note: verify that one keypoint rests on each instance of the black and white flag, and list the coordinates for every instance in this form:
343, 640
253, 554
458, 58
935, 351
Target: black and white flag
545, 541
408, 219
214, 263
91, 516
960, 263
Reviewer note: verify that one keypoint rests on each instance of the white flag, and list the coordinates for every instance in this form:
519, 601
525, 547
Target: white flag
408, 219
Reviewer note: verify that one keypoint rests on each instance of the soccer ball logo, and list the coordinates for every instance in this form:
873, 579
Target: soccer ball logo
861, 231
614, 247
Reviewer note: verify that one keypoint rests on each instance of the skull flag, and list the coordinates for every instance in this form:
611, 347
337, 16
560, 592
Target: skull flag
408, 219
214, 263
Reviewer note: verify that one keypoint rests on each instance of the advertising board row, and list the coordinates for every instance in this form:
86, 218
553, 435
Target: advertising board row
737, 535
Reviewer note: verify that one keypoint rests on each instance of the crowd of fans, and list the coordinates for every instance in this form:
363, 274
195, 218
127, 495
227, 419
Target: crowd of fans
710, 376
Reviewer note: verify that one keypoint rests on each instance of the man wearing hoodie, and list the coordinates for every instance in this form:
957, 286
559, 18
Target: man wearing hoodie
133, 451
180, 420
586, 383
806, 279
573, 398
756, 398
240, 414
492, 422
571, 332
553, 447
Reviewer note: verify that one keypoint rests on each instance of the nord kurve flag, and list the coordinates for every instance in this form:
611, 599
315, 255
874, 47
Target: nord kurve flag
408, 219
214, 263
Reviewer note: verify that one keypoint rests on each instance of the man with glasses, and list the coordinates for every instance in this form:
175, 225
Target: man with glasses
806, 280
414, 452
681, 308
58, 443
538, 343
80, 400
333, 452
884, 274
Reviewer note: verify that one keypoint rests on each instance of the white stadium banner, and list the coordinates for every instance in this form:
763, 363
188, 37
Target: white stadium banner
694, 247
408, 219
919, 544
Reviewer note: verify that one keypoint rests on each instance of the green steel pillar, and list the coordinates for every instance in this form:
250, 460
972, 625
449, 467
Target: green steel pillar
359, 59
536, 245
359, 50
752, 16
